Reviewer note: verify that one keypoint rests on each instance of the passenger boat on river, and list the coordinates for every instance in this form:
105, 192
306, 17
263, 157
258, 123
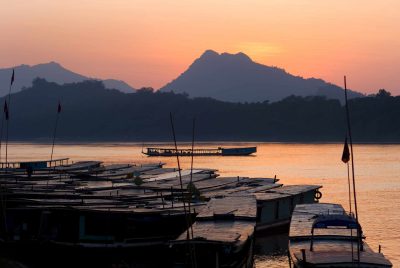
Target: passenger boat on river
237, 151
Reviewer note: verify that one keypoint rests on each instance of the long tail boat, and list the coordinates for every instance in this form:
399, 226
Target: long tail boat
238, 151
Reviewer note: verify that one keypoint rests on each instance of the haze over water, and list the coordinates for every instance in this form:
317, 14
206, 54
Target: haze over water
377, 172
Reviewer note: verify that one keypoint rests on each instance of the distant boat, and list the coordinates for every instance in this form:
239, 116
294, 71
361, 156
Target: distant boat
238, 151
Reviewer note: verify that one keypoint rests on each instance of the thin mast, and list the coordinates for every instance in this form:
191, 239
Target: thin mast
352, 171
55, 131
7, 112
349, 184
1, 132
179, 172
183, 195
191, 164
191, 187
351, 149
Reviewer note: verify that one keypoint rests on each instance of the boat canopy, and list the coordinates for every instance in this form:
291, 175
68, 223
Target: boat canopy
336, 220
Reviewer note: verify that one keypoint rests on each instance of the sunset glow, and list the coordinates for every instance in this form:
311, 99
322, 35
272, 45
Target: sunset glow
150, 42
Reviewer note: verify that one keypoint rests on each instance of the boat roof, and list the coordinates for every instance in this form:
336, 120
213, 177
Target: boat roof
224, 220
35, 161
285, 191
303, 218
243, 207
224, 232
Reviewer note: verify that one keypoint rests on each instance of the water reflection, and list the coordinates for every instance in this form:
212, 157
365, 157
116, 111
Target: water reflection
377, 172
271, 251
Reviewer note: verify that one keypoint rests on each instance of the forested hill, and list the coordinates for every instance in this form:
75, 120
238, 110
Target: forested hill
237, 78
92, 113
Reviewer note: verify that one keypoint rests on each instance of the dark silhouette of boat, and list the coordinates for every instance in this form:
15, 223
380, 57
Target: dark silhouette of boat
222, 236
237, 151
101, 215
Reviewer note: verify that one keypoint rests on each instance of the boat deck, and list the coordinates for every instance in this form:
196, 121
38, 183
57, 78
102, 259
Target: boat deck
339, 254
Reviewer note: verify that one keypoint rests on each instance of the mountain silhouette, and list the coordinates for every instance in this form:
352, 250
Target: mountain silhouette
52, 72
237, 78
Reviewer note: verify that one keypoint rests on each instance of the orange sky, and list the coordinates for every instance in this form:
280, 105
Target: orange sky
150, 42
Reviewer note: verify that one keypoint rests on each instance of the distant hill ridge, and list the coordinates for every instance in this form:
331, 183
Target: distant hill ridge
237, 78
52, 72
226, 77
92, 112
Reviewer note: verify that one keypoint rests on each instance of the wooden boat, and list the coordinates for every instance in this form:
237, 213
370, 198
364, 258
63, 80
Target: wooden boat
81, 235
324, 235
101, 209
222, 236
238, 151
275, 206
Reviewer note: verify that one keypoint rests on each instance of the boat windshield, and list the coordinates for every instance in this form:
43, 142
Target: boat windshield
336, 221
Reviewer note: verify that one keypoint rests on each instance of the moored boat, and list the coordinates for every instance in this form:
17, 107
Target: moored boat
324, 235
96, 235
222, 236
89, 210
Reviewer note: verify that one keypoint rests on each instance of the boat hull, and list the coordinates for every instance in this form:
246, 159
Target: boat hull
48, 254
82, 238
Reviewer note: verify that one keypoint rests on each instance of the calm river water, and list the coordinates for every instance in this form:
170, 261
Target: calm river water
377, 169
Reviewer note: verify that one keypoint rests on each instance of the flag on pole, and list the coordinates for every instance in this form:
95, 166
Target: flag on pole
346, 152
59, 107
12, 77
6, 110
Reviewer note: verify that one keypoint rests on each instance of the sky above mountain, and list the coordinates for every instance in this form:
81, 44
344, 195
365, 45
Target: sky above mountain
150, 42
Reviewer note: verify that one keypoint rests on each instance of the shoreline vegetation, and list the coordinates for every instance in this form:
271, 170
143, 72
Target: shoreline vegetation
92, 113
